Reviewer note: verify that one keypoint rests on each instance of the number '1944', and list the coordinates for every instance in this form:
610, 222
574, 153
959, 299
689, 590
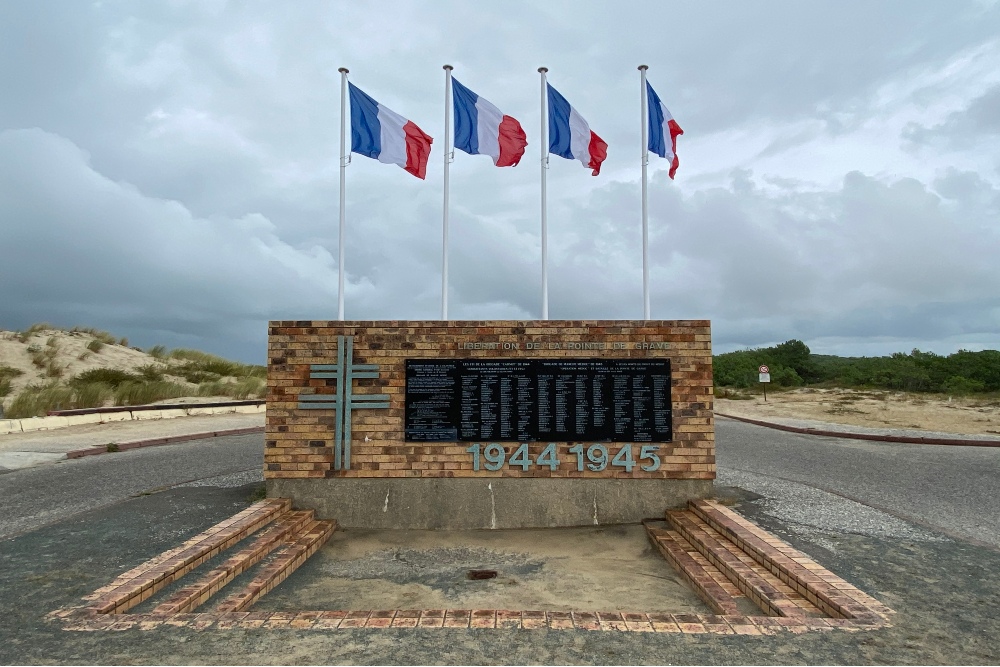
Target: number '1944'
596, 458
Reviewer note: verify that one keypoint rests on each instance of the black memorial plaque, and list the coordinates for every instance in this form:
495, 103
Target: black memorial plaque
527, 400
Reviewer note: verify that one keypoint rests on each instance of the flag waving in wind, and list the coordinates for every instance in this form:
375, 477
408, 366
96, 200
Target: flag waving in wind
663, 130
570, 135
380, 133
481, 129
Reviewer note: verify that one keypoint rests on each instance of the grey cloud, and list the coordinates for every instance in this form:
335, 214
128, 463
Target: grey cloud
979, 121
181, 186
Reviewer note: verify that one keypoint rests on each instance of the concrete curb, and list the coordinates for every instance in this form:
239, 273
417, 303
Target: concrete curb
136, 413
156, 442
959, 442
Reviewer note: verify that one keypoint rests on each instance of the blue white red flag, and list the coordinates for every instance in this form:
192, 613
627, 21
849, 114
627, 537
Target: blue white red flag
663, 130
481, 129
570, 135
380, 133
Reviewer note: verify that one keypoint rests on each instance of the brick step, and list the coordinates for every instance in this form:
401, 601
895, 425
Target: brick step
192, 596
142, 582
768, 592
697, 571
300, 546
828, 592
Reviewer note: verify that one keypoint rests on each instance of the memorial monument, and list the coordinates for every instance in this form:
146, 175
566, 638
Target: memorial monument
489, 424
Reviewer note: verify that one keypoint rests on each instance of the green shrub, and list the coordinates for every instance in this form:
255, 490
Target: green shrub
143, 393
158, 352
8, 372
23, 336
36, 401
960, 385
249, 387
53, 369
92, 394
194, 375
4, 386
109, 376
95, 345
102, 336
123, 341
216, 388
150, 372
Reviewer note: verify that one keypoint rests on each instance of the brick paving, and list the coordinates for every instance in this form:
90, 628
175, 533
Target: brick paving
709, 544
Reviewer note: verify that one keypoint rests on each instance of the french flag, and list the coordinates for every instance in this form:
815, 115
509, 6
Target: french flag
570, 135
481, 129
380, 133
661, 126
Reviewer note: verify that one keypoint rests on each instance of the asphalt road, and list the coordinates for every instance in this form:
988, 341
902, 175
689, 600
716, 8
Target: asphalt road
71, 527
34, 497
949, 489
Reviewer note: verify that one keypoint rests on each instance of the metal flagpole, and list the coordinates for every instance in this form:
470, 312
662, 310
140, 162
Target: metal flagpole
448, 156
545, 165
645, 201
344, 160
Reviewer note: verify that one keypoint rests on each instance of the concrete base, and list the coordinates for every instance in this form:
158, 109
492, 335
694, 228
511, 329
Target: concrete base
462, 504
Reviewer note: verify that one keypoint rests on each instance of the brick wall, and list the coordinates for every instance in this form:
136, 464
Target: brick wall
299, 443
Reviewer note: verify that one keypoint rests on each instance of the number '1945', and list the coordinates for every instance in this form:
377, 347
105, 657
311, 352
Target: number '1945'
595, 457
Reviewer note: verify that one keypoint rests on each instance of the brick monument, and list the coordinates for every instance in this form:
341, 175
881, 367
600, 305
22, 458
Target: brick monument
489, 424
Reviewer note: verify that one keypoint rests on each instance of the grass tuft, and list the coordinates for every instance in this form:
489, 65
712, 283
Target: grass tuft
143, 393
157, 352
37, 400
110, 376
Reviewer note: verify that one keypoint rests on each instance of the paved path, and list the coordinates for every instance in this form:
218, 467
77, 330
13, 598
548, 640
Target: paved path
40, 495
24, 450
952, 489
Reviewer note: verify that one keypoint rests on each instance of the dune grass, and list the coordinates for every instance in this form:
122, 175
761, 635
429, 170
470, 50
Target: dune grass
171, 374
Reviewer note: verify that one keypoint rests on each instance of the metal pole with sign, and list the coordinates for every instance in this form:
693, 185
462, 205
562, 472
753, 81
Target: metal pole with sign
765, 377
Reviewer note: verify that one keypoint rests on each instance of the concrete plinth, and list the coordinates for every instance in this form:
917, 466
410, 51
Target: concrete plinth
462, 504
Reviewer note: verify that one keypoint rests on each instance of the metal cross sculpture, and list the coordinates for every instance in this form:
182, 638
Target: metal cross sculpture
345, 401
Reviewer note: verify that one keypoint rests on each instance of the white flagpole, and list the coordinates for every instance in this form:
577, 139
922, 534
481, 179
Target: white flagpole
545, 165
448, 156
645, 201
344, 160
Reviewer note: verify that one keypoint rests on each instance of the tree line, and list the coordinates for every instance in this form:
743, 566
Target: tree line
792, 365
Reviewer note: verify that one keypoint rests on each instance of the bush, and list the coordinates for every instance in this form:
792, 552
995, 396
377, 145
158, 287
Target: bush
109, 376
150, 372
249, 387
95, 346
216, 388
32, 330
36, 401
960, 385
4, 387
123, 341
101, 336
92, 395
53, 370
143, 393
158, 352
8, 372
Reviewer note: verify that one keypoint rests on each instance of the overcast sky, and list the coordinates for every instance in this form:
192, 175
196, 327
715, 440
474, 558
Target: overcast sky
169, 170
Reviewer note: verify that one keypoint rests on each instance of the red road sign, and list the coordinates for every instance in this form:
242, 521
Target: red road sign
763, 369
